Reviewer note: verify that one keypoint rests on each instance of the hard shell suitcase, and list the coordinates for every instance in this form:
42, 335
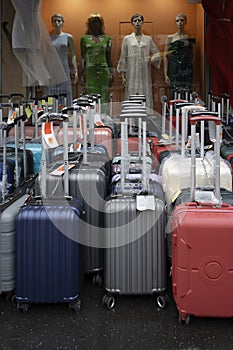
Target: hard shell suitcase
202, 256
48, 254
9, 207
135, 248
88, 180
175, 170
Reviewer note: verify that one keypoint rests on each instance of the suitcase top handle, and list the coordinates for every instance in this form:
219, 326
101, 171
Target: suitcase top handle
209, 118
172, 102
3, 125
184, 104
5, 104
72, 108
49, 117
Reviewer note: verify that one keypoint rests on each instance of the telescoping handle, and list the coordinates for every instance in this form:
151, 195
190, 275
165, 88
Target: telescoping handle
48, 118
171, 105
217, 121
184, 126
3, 129
139, 115
75, 109
21, 118
87, 107
185, 109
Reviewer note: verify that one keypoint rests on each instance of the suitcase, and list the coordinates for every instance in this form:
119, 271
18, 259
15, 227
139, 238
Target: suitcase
88, 181
48, 254
135, 248
201, 266
9, 207
175, 170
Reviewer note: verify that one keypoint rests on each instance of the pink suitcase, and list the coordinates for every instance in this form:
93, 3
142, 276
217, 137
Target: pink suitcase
202, 259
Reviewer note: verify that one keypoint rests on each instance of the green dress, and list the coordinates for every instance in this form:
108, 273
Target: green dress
97, 69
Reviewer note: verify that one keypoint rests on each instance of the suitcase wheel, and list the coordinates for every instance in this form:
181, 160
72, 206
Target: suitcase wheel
162, 301
22, 306
108, 301
97, 280
186, 320
76, 306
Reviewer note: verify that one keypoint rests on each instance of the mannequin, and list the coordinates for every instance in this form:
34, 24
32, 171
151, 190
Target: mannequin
31, 45
219, 45
138, 53
179, 57
64, 44
96, 66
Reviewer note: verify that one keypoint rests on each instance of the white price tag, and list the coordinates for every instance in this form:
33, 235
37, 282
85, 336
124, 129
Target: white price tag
145, 202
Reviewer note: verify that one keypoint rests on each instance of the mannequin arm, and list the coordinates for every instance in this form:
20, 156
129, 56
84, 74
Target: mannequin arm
109, 61
73, 57
165, 64
123, 78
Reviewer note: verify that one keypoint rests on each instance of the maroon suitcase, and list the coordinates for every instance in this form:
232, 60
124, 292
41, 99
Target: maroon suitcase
202, 260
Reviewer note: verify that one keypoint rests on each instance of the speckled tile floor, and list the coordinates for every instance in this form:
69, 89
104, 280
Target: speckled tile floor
135, 323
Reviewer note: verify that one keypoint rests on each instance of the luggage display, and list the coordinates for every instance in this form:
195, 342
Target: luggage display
135, 248
201, 248
48, 255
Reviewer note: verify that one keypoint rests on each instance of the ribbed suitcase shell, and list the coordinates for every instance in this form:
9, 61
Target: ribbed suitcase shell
138, 267
88, 184
48, 260
7, 243
202, 260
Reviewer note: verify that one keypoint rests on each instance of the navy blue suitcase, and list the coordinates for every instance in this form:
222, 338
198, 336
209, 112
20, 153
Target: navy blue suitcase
48, 268
48, 254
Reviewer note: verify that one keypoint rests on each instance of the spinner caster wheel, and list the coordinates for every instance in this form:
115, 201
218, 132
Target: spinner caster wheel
162, 301
97, 280
108, 301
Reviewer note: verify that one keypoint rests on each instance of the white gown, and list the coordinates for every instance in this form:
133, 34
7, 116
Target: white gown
134, 60
32, 45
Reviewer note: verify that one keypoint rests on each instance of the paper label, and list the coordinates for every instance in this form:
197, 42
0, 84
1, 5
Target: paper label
48, 135
61, 169
145, 202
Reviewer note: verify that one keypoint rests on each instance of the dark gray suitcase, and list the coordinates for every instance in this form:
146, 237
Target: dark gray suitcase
135, 244
88, 179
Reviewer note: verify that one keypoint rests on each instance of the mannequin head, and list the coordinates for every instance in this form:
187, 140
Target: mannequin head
181, 19
57, 18
137, 21
95, 25
137, 16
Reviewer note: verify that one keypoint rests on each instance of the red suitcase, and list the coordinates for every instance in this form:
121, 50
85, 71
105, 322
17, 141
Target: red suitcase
202, 260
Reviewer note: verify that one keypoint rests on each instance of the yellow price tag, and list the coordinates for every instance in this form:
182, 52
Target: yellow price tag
28, 111
50, 101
